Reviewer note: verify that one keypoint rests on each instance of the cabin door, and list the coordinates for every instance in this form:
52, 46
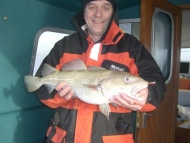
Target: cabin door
159, 126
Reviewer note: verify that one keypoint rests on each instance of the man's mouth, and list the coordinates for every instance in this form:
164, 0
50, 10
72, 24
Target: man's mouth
98, 22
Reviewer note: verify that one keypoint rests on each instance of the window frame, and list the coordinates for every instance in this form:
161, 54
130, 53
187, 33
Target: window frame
37, 40
156, 12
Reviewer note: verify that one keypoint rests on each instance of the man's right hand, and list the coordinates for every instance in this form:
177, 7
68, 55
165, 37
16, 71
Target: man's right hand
64, 90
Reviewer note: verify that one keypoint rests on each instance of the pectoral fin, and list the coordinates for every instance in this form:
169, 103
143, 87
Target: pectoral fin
105, 109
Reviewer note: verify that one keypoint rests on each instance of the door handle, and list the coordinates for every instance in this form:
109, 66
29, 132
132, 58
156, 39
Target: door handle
143, 119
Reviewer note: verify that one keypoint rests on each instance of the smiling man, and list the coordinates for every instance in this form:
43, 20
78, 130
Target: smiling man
97, 15
99, 42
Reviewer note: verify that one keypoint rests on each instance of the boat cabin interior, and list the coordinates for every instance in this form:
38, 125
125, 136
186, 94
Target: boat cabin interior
28, 31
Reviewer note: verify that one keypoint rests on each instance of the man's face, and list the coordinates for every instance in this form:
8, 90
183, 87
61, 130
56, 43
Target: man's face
97, 15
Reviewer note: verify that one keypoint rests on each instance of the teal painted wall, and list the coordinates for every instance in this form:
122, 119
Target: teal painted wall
179, 2
132, 12
23, 119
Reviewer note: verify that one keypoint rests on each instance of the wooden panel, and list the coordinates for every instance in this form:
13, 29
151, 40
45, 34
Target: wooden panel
182, 135
161, 127
185, 6
184, 83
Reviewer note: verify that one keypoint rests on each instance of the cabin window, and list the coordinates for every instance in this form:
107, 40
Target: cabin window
162, 45
44, 42
131, 26
185, 63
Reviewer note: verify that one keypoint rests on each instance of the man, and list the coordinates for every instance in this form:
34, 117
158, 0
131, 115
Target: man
99, 42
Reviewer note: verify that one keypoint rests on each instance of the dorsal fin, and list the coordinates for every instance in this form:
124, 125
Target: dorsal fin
47, 69
76, 64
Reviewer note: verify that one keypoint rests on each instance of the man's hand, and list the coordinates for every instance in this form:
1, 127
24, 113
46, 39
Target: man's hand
64, 90
128, 102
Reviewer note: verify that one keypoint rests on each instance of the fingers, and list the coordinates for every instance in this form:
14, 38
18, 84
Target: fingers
128, 99
66, 93
60, 86
64, 90
126, 102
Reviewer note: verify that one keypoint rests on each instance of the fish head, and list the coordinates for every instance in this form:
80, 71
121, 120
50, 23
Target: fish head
123, 82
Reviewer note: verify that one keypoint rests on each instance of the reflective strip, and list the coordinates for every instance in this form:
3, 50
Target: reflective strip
128, 138
58, 136
84, 123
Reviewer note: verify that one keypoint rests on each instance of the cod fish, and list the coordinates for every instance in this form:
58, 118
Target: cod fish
93, 85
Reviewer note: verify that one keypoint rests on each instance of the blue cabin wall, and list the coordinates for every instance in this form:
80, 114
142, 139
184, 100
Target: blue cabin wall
23, 119
179, 2
132, 12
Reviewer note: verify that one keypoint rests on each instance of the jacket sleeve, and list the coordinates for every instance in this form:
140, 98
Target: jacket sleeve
52, 100
149, 70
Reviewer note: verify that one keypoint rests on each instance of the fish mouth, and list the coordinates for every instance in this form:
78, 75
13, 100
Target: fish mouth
136, 90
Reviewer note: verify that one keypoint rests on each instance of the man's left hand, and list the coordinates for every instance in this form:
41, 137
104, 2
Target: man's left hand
128, 102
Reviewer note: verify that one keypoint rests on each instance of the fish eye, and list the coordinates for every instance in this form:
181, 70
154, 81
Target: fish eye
127, 78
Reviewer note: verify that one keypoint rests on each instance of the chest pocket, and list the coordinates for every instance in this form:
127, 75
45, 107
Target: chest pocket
114, 66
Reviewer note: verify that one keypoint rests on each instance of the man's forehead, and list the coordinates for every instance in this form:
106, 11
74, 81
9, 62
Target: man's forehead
100, 1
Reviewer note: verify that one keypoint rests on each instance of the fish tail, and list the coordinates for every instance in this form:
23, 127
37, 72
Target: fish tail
105, 109
31, 83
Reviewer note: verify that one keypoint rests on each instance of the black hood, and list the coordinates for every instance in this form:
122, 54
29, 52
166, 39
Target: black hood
85, 2
78, 21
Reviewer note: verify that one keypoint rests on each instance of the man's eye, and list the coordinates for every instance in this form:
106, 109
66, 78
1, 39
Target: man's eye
91, 7
106, 8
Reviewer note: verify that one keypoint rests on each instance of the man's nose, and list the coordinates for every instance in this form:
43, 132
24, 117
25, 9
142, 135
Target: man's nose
98, 12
